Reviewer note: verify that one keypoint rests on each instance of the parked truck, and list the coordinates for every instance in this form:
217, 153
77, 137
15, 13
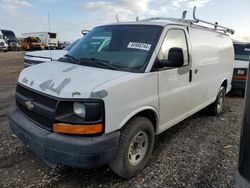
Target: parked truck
118, 87
31, 43
49, 40
3, 45
10, 39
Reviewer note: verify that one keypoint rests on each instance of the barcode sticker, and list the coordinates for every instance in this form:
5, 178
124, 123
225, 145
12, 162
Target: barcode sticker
140, 46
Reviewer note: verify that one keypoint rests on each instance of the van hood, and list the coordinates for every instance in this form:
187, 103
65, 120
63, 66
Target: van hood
48, 54
65, 80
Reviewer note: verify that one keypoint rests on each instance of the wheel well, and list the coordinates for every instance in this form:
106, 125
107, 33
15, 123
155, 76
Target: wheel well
150, 114
224, 84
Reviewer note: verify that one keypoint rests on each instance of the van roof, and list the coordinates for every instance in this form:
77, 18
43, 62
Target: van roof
164, 23
159, 22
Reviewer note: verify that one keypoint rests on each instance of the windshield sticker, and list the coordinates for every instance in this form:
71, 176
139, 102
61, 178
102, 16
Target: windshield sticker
247, 49
140, 46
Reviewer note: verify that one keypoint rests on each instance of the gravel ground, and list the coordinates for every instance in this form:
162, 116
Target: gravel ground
202, 151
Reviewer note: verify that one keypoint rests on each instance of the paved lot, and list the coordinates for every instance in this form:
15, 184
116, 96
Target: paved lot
202, 151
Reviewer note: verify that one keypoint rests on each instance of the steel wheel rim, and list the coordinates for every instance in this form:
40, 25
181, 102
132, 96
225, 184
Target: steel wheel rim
138, 148
220, 101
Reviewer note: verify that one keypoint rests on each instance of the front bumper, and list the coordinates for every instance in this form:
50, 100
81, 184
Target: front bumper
69, 150
239, 84
3, 48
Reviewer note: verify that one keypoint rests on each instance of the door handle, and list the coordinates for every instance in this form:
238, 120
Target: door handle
196, 71
190, 75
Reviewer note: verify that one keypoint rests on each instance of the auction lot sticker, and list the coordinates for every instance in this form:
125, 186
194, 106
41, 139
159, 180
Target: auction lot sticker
140, 46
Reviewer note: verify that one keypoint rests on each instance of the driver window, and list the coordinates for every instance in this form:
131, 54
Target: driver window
174, 38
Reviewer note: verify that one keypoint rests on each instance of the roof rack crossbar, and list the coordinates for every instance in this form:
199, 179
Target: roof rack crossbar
167, 18
195, 21
216, 25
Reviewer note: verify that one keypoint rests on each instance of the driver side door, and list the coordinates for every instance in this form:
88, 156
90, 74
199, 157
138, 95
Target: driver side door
175, 84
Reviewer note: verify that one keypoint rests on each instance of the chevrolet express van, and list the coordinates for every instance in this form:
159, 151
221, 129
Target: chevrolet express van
241, 64
118, 87
42, 56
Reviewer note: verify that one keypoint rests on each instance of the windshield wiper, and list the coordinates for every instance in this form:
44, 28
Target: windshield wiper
71, 58
97, 62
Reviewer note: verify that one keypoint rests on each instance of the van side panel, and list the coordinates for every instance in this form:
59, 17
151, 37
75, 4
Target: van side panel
212, 57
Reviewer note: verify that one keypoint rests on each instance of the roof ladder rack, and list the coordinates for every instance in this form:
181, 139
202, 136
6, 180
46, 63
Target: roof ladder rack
216, 25
195, 21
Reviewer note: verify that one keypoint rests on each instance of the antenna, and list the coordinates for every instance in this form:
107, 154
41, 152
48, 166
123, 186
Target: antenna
117, 19
49, 36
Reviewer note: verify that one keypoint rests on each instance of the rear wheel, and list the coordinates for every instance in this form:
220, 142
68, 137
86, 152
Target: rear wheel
217, 107
135, 147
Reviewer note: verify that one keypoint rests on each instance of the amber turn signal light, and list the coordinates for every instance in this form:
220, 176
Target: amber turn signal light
77, 129
240, 77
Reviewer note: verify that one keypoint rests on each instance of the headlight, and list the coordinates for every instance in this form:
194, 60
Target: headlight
79, 109
80, 117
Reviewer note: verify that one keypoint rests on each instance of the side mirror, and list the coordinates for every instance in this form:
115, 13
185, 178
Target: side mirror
175, 58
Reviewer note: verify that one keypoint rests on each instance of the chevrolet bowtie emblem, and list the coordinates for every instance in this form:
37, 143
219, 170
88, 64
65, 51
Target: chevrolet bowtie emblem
29, 105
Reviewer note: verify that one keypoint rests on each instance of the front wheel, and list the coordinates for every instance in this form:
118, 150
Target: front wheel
135, 147
216, 108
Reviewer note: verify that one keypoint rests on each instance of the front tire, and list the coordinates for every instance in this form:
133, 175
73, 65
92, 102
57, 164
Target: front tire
216, 108
134, 148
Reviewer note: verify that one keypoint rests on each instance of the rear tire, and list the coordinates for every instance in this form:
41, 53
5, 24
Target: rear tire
134, 148
216, 108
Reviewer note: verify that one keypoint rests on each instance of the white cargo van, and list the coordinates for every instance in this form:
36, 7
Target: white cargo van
241, 64
107, 99
42, 56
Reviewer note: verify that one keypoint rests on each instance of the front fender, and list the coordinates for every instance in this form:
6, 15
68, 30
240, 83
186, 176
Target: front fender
138, 110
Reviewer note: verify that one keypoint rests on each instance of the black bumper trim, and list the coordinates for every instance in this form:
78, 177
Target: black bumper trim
69, 150
239, 84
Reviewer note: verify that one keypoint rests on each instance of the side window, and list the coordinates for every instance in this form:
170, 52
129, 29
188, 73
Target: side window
174, 38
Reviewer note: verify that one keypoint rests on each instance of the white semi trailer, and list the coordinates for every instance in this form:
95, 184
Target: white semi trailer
48, 39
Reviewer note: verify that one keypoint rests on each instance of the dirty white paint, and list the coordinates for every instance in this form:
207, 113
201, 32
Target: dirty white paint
167, 93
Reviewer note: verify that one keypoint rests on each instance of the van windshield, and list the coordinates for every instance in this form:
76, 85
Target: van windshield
123, 47
242, 52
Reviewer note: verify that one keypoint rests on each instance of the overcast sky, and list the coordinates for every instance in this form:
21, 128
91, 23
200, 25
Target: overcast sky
69, 17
